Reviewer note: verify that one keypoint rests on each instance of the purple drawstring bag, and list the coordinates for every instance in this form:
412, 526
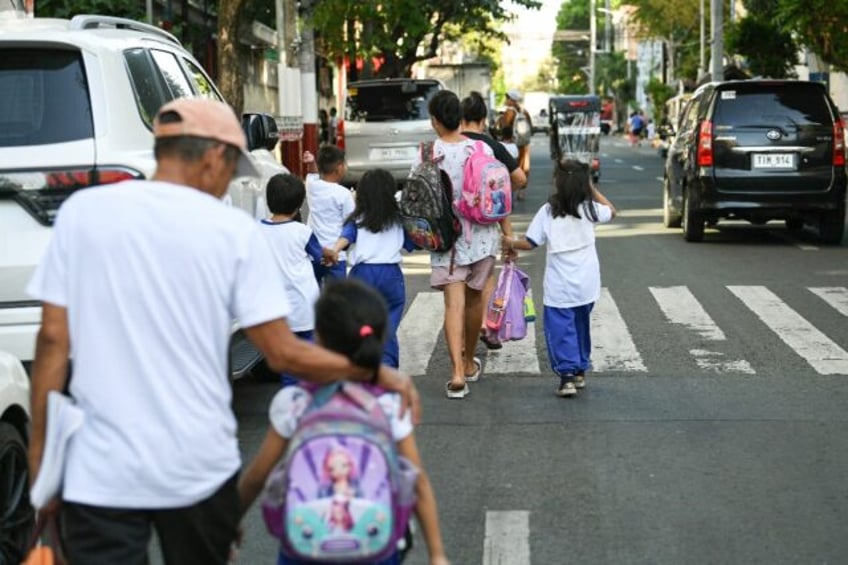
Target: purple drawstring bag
505, 319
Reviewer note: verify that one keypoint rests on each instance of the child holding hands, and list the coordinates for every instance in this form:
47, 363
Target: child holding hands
566, 225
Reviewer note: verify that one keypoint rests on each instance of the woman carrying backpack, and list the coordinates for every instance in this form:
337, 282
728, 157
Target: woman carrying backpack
462, 272
350, 319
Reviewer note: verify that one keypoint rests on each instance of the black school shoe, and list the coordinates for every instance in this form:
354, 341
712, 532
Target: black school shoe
566, 386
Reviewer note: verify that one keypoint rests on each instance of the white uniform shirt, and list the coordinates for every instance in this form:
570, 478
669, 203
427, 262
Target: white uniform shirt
329, 206
289, 405
381, 248
485, 239
152, 275
291, 243
572, 272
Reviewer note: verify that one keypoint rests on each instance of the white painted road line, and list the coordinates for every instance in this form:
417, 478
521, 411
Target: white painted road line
825, 356
612, 345
681, 307
836, 296
619, 161
515, 356
507, 539
419, 329
638, 168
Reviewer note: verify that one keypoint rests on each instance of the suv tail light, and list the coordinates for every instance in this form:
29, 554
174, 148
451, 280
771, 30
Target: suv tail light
340, 137
705, 144
839, 143
42, 192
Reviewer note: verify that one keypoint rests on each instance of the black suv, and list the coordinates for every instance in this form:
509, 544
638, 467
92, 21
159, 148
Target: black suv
757, 150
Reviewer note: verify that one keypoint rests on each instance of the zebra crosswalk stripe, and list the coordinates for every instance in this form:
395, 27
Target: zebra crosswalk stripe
825, 356
419, 330
612, 345
515, 356
836, 296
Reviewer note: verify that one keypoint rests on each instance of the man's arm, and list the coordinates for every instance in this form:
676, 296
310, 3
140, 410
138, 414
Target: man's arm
49, 372
284, 352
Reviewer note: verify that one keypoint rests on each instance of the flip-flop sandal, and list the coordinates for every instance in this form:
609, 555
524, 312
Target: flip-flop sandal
475, 376
489, 343
452, 393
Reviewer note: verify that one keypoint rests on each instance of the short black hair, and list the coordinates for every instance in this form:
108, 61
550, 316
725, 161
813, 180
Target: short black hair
284, 194
329, 157
445, 107
474, 107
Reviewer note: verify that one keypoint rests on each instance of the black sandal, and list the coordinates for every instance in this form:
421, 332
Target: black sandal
489, 343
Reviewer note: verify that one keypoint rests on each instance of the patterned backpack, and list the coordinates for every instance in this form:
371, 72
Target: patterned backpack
486, 196
342, 494
426, 204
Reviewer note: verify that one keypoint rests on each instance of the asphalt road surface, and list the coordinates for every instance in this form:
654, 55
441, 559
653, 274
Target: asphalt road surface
712, 431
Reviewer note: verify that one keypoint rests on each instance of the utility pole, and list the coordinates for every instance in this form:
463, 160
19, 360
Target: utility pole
717, 32
593, 44
702, 61
607, 27
308, 87
288, 79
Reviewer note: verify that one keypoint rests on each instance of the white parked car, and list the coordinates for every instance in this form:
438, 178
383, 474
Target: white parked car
77, 98
16, 514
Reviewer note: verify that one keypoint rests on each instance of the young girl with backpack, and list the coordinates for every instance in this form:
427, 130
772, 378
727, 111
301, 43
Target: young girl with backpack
351, 319
375, 230
566, 225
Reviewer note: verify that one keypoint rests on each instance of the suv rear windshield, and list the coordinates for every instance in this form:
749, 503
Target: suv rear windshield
43, 97
388, 102
749, 105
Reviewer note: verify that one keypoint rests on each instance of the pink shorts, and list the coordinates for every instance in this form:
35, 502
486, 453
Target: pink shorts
474, 275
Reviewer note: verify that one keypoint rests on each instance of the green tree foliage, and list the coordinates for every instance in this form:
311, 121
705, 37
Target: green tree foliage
677, 22
658, 94
63, 9
401, 33
768, 48
572, 56
822, 25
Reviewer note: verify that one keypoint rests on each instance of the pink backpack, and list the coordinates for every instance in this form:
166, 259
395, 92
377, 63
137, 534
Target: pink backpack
486, 196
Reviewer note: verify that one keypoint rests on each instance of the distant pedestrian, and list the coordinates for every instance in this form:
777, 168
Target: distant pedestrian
147, 312
324, 127
334, 127
330, 204
375, 232
507, 139
462, 272
637, 124
295, 249
351, 320
514, 108
565, 225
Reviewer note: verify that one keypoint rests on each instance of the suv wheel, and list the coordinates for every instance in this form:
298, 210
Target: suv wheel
832, 226
671, 219
794, 224
16, 514
692, 222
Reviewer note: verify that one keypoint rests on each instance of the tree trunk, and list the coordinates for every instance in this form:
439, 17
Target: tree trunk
230, 76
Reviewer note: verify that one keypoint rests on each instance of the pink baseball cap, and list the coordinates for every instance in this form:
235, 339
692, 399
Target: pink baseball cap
207, 119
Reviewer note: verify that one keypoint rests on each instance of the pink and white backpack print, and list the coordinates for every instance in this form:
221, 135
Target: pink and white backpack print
342, 494
486, 196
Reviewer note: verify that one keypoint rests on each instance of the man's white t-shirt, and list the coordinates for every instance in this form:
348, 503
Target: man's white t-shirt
330, 204
290, 403
291, 243
152, 275
572, 271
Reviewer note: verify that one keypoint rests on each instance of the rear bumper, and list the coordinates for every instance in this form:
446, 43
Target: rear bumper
399, 169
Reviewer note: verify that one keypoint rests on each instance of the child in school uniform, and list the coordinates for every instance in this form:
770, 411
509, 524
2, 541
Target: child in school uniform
296, 250
572, 285
375, 231
508, 141
350, 319
330, 204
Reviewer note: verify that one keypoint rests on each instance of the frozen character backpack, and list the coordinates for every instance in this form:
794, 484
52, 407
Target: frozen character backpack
486, 196
342, 493
506, 318
426, 204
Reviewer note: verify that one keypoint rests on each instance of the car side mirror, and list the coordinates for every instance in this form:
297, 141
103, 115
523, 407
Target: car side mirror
261, 131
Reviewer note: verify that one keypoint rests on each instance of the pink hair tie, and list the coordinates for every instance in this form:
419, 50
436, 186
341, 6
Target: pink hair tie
365, 331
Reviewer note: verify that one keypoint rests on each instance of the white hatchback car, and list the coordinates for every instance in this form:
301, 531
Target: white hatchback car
16, 514
77, 98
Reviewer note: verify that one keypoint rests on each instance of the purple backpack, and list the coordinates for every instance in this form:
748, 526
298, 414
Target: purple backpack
342, 493
505, 319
